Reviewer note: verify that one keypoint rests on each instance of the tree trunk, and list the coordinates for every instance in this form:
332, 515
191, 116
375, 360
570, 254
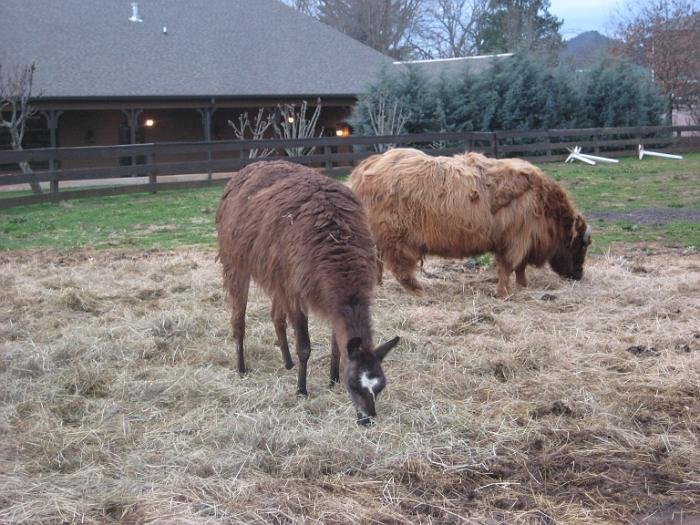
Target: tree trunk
27, 169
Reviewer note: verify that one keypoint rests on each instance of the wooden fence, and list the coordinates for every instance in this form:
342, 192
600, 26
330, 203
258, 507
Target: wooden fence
150, 161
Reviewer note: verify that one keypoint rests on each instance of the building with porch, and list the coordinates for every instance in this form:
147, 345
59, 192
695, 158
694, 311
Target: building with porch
175, 70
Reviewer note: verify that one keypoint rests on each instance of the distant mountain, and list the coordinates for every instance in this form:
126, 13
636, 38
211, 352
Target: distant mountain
586, 50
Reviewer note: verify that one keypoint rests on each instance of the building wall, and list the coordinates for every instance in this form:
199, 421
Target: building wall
89, 128
80, 128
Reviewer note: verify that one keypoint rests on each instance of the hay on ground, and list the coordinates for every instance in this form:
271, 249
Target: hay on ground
120, 400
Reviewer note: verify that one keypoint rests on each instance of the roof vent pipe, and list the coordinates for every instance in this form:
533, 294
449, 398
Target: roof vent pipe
135, 13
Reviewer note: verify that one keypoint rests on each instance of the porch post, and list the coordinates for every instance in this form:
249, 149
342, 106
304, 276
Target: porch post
52, 116
206, 114
132, 119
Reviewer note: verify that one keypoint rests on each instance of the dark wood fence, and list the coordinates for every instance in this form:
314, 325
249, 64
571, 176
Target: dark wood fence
332, 153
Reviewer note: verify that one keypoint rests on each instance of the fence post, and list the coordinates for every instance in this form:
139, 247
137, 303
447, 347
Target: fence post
327, 153
548, 144
52, 168
152, 177
468, 142
494, 144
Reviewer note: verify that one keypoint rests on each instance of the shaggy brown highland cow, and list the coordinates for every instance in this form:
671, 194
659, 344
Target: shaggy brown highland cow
468, 205
305, 240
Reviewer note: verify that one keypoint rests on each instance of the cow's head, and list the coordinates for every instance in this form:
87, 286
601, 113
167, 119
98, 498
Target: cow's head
364, 377
570, 253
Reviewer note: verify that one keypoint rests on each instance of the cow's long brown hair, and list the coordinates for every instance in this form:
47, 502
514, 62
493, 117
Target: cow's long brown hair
305, 240
467, 205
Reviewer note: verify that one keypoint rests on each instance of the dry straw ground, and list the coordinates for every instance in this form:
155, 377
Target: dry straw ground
569, 403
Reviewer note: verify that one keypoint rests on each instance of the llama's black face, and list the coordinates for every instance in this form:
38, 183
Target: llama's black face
570, 255
364, 377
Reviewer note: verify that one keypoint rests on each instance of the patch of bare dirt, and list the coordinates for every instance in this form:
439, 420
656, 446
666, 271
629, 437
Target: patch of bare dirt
652, 216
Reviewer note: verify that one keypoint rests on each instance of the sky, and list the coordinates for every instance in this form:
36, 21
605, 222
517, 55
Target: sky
585, 15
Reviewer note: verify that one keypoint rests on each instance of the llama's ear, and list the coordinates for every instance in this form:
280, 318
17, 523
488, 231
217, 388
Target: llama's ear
354, 346
383, 349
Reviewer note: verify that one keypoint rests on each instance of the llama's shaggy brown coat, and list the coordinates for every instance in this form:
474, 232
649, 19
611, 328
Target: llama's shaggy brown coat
304, 238
467, 205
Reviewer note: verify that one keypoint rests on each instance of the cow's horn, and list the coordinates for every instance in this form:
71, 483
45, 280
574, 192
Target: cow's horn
587, 234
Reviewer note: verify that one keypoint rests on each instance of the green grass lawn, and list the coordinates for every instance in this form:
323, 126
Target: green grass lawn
633, 185
186, 217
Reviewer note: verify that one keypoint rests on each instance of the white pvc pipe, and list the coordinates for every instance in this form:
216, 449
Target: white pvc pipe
643, 153
580, 157
599, 159
659, 154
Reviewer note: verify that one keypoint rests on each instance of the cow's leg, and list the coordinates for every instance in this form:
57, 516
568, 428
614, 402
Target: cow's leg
301, 328
279, 319
520, 276
237, 285
335, 361
504, 271
402, 262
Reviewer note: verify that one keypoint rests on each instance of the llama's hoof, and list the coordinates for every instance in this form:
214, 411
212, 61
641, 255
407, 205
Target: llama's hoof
302, 393
289, 365
333, 382
364, 421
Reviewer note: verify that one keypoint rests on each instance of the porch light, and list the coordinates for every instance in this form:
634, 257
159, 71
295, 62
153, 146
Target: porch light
290, 119
342, 131
150, 122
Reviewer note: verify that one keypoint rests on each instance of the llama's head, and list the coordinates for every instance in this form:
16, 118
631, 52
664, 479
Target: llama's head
364, 377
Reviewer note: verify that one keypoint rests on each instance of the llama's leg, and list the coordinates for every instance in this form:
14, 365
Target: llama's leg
301, 328
380, 269
237, 285
279, 319
402, 262
335, 361
504, 271
520, 276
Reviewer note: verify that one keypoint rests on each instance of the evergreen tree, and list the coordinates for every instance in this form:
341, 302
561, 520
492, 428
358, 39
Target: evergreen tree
446, 104
416, 94
411, 90
518, 93
518, 26
617, 93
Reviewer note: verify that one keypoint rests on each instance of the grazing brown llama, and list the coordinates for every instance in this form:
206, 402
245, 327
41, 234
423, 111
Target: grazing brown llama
304, 239
467, 205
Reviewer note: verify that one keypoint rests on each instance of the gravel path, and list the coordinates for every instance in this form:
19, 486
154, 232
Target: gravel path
649, 215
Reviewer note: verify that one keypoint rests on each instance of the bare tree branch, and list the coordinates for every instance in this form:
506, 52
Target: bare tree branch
384, 123
450, 27
295, 125
15, 96
664, 35
247, 130
389, 26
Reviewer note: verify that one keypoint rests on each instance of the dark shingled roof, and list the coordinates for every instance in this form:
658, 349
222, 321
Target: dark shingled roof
451, 67
236, 48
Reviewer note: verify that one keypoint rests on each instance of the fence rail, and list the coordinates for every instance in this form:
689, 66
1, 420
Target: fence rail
160, 159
